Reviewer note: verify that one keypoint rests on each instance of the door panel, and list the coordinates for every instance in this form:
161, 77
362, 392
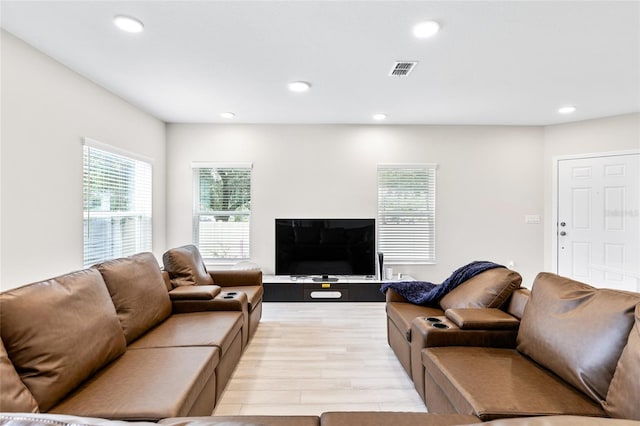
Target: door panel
599, 220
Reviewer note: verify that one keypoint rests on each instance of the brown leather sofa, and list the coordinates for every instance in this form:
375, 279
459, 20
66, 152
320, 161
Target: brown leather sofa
326, 419
577, 352
491, 289
184, 269
110, 341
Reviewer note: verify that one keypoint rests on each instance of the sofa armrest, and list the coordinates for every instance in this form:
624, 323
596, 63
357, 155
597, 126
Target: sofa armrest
441, 331
223, 301
194, 292
234, 278
392, 296
482, 319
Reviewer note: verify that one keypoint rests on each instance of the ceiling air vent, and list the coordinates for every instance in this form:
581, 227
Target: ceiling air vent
402, 69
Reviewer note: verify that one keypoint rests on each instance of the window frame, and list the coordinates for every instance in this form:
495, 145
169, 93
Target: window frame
142, 200
388, 238
197, 213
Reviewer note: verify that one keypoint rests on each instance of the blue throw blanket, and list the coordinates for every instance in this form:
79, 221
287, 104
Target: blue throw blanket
425, 293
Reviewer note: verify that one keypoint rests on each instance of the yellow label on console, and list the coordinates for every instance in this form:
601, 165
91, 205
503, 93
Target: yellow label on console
326, 285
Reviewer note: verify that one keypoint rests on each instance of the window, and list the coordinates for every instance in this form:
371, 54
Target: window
406, 213
222, 211
117, 204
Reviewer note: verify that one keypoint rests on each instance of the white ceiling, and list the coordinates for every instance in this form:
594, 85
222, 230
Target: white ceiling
493, 62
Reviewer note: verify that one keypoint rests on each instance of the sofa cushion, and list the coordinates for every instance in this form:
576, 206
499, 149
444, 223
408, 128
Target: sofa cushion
577, 331
7, 419
560, 421
194, 329
382, 418
496, 383
626, 379
148, 384
60, 332
138, 292
489, 289
186, 267
15, 397
242, 421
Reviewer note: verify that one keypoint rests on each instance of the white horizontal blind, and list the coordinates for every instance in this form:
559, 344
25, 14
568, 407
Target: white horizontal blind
406, 213
117, 205
222, 211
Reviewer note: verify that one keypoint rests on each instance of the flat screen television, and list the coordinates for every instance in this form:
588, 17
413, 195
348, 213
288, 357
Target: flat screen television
325, 247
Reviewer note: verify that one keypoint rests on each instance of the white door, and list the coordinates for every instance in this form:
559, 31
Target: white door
599, 220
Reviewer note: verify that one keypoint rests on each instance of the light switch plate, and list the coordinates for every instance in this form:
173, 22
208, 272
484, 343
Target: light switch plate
532, 219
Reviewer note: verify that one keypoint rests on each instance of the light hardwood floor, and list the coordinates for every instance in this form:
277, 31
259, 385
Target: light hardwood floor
306, 358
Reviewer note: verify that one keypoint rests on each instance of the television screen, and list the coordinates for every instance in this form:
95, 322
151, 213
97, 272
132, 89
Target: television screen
325, 247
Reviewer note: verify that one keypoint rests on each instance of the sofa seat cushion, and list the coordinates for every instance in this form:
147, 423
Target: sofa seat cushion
577, 331
148, 384
46, 419
60, 332
212, 328
402, 314
243, 421
138, 292
254, 293
386, 418
498, 383
560, 421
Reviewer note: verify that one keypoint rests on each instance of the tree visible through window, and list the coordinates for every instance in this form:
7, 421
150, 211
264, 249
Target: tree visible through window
406, 213
222, 211
117, 205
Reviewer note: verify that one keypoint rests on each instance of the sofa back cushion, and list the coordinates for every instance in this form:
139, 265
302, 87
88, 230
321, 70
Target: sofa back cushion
577, 331
186, 267
60, 332
489, 289
138, 292
622, 398
15, 397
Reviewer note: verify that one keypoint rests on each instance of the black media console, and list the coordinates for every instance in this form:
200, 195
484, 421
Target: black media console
278, 288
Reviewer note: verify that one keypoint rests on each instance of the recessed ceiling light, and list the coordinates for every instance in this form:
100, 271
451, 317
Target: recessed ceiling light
299, 86
128, 24
426, 29
379, 116
228, 115
568, 109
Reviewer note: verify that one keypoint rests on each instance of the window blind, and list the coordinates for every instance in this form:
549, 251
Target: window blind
222, 211
406, 213
117, 205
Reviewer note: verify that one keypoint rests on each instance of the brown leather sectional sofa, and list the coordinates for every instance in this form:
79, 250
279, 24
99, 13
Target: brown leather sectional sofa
492, 289
563, 348
326, 419
121, 341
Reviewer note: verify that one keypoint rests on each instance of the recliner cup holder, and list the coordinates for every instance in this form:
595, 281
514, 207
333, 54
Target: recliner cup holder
232, 293
433, 319
439, 325
228, 296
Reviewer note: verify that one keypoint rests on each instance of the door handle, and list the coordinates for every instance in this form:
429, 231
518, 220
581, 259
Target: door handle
562, 233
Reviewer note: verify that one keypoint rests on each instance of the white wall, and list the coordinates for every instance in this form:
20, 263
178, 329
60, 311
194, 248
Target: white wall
619, 133
488, 179
46, 110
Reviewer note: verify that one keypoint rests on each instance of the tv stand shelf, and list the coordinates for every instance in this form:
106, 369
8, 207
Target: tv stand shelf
284, 288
